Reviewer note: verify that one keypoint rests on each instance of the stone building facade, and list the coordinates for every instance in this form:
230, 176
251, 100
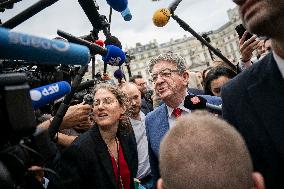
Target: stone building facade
197, 56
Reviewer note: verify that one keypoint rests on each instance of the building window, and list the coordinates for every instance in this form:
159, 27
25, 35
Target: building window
232, 47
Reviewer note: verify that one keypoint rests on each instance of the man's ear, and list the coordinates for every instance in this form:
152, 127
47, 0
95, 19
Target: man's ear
160, 184
185, 76
258, 181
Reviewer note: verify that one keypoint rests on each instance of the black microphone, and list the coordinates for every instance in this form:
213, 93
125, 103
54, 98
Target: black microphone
91, 12
193, 102
112, 40
28, 13
112, 54
214, 108
119, 75
86, 84
94, 48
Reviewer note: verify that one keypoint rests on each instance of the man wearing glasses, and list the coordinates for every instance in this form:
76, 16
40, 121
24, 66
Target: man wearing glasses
170, 79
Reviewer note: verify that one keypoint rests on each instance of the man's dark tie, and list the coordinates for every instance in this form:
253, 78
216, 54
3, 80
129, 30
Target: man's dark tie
177, 112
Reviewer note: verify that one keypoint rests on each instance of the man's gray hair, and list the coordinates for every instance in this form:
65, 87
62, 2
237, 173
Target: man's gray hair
170, 57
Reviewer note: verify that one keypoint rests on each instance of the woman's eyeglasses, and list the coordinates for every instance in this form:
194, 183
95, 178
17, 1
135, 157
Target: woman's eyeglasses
105, 101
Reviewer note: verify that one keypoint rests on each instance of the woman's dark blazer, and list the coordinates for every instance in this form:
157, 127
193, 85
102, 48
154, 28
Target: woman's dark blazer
87, 163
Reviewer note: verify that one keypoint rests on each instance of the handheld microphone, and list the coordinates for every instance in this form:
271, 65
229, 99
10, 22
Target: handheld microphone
100, 42
162, 16
193, 102
43, 95
119, 75
112, 55
44, 51
86, 85
126, 14
214, 108
122, 7
118, 5
112, 40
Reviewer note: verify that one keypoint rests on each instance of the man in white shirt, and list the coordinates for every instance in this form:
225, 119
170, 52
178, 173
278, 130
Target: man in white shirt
137, 119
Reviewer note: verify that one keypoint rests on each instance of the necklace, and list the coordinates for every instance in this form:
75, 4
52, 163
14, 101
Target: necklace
116, 162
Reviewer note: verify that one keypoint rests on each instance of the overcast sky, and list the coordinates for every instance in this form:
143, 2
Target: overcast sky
67, 15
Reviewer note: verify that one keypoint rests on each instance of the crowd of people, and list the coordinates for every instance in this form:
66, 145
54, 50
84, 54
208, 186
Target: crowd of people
133, 136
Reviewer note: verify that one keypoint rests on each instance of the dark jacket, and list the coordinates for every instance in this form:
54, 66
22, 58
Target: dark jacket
87, 163
253, 102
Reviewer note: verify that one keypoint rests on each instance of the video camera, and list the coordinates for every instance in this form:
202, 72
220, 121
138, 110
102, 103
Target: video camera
20, 140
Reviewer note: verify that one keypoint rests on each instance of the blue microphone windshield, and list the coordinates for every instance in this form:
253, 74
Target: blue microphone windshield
114, 57
118, 5
43, 95
43, 51
126, 14
118, 74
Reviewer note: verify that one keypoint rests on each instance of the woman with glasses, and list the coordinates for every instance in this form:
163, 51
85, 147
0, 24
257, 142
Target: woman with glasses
106, 155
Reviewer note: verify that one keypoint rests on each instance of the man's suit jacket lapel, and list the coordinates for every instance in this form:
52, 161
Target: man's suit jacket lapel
103, 154
267, 98
161, 125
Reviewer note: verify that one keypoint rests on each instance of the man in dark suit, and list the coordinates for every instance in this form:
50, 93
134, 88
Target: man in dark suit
254, 101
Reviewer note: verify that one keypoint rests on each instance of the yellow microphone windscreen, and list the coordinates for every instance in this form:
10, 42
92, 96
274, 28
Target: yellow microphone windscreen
161, 17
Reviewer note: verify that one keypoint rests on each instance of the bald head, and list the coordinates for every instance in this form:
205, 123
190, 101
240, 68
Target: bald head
134, 96
204, 152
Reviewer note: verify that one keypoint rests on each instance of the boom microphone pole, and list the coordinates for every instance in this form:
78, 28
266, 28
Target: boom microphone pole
127, 64
174, 6
58, 118
28, 13
91, 11
186, 27
162, 16
98, 22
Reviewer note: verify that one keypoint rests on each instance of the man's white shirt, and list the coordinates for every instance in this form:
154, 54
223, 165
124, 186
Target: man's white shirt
172, 118
142, 146
280, 63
